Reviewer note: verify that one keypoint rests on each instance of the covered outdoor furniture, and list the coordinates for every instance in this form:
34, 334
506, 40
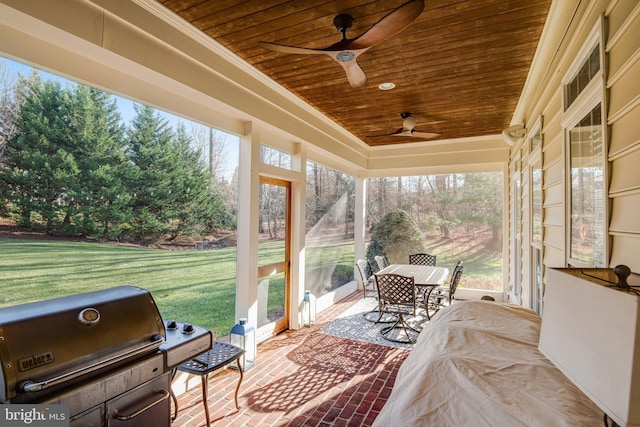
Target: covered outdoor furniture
397, 296
477, 364
382, 262
422, 259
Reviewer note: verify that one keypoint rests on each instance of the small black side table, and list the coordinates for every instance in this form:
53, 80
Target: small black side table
220, 355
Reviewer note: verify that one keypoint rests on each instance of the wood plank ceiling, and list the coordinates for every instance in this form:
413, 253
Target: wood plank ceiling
459, 68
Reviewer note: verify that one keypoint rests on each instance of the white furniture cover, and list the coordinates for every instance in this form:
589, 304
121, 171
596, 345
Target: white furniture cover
477, 364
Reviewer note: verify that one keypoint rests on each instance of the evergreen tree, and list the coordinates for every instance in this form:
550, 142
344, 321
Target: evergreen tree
72, 167
38, 166
150, 148
63, 157
100, 199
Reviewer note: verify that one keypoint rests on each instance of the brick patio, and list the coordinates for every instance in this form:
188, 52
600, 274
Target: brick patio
302, 378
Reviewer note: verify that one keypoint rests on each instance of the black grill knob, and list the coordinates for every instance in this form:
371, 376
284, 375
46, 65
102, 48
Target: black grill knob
172, 325
188, 329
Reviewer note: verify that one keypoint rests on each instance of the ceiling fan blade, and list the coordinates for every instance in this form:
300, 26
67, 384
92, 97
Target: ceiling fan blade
426, 135
289, 49
404, 132
357, 78
396, 133
390, 25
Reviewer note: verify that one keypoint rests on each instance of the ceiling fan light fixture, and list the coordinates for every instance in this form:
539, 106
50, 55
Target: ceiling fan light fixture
386, 86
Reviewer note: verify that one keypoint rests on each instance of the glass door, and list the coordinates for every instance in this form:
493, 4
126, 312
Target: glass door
274, 256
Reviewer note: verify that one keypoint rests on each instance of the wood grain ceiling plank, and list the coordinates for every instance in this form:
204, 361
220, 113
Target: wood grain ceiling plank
294, 18
463, 62
178, 6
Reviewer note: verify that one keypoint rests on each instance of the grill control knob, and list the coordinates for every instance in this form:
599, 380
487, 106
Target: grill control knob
172, 325
188, 329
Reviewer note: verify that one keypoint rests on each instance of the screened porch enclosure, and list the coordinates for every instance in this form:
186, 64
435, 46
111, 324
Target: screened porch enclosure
326, 236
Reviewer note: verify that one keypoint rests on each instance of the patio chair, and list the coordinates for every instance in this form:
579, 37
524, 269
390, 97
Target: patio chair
368, 280
382, 262
445, 295
422, 259
397, 297
366, 276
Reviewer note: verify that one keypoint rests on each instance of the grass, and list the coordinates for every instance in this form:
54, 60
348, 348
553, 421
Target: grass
482, 259
192, 286
189, 285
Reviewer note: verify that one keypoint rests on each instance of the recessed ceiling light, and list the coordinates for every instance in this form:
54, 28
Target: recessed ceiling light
386, 86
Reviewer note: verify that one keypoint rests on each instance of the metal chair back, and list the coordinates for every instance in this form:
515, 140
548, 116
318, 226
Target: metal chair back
455, 279
381, 260
422, 259
366, 275
396, 290
455, 269
397, 297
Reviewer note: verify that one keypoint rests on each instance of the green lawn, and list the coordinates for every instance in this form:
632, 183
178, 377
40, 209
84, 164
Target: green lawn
188, 285
193, 286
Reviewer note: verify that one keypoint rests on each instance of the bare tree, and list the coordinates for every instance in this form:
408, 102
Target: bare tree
10, 101
212, 144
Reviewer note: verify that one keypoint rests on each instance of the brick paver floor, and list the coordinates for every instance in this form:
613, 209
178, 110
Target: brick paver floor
302, 378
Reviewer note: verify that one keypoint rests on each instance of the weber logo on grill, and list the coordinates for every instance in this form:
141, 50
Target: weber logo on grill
35, 361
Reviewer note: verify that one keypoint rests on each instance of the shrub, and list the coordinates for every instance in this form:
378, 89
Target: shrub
395, 236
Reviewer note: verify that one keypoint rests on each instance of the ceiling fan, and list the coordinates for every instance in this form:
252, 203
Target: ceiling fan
407, 129
346, 51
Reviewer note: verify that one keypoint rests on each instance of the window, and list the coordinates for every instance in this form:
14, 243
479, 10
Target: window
329, 238
584, 122
516, 233
536, 280
166, 182
536, 213
585, 74
536, 139
535, 166
587, 190
274, 157
459, 216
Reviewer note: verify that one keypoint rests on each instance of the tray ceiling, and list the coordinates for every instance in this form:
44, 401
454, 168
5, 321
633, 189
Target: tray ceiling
459, 68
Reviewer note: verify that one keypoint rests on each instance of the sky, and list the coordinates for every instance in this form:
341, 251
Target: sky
127, 111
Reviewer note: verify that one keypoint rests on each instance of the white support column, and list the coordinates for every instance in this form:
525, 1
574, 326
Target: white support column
248, 206
298, 218
359, 221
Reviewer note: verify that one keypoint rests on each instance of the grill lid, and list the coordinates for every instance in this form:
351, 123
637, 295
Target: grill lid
46, 344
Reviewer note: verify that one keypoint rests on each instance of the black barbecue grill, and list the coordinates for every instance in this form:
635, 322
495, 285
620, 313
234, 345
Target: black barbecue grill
107, 355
